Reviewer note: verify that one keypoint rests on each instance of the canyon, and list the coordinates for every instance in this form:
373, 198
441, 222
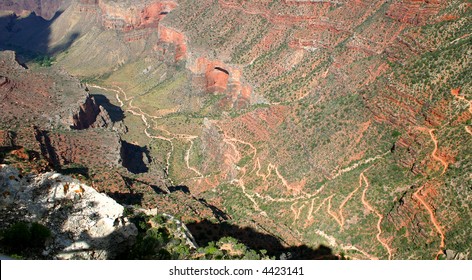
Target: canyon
313, 123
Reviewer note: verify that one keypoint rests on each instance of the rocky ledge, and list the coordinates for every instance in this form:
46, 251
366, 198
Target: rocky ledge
84, 224
90, 114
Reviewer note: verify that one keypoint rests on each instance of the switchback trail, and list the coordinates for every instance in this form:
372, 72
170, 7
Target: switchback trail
435, 150
344, 202
354, 166
272, 170
311, 212
144, 117
455, 93
334, 243
436, 157
331, 213
379, 222
433, 220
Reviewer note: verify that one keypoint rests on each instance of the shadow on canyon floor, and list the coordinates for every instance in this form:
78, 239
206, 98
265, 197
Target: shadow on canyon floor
180, 188
47, 149
219, 214
30, 37
127, 198
115, 112
135, 158
75, 170
206, 231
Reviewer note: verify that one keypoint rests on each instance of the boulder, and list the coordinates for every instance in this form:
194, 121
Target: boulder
85, 224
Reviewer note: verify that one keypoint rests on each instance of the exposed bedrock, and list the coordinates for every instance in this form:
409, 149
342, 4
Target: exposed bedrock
90, 114
43, 8
217, 77
84, 224
126, 16
86, 147
4, 81
414, 12
6, 138
171, 36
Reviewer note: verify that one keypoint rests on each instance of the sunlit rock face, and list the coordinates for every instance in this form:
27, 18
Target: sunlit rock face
85, 224
90, 114
126, 16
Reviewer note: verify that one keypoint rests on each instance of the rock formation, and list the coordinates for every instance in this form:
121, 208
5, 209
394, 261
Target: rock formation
85, 224
126, 15
315, 121
43, 8
171, 36
6, 138
87, 147
90, 114
414, 11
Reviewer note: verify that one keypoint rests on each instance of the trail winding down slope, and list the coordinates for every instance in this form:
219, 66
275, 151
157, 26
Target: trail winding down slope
433, 220
379, 222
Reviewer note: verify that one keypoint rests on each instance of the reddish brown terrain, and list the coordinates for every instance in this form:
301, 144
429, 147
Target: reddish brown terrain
330, 123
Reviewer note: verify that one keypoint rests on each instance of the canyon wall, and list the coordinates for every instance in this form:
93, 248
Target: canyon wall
43, 8
90, 114
126, 16
321, 122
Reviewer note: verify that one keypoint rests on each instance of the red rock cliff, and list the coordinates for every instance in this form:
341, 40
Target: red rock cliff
126, 17
90, 114
176, 38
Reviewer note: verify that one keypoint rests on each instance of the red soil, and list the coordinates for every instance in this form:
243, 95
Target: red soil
429, 209
168, 35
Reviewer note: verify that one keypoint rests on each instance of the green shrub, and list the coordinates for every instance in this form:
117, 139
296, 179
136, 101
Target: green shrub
21, 236
39, 235
44, 61
396, 133
17, 236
